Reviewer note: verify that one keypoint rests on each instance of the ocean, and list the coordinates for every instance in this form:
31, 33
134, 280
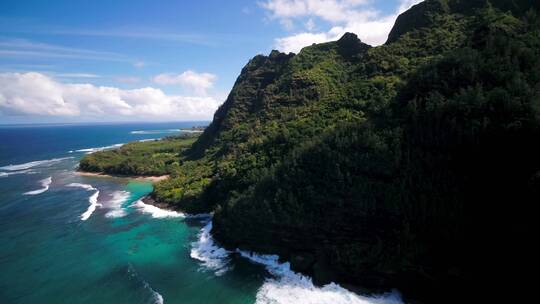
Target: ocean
66, 238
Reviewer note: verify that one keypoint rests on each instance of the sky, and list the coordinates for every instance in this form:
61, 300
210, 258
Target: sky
160, 60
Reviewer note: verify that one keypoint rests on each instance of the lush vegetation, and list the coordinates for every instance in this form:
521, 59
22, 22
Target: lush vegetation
427, 194
157, 157
411, 165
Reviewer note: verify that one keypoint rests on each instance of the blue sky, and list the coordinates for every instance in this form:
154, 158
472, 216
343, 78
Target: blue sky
69, 61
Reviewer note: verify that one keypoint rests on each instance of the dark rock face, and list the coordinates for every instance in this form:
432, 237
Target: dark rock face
419, 16
244, 99
423, 14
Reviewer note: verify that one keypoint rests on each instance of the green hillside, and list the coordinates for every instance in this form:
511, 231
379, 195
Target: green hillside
411, 165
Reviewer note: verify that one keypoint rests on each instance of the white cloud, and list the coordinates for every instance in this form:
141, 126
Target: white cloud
329, 10
288, 24
310, 24
77, 75
198, 83
296, 42
356, 16
22, 48
139, 64
37, 94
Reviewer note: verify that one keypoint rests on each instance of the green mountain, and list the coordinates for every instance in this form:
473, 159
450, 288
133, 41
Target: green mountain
412, 165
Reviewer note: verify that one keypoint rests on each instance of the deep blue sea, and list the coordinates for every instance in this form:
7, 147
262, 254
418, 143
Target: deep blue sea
66, 238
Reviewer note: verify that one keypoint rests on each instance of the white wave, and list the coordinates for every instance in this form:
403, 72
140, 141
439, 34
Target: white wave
45, 183
288, 286
285, 286
156, 297
6, 174
205, 250
149, 139
191, 131
32, 164
155, 211
84, 186
96, 149
93, 200
118, 199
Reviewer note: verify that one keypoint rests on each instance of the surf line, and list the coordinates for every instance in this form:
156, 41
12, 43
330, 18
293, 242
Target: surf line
93, 200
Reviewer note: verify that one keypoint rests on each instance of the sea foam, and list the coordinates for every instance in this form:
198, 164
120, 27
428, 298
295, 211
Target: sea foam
27, 171
84, 186
96, 149
45, 183
155, 211
37, 163
284, 285
115, 205
205, 250
287, 286
149, 139
93, 200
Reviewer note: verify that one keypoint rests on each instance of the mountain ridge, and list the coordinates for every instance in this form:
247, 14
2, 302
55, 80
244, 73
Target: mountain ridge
384, 167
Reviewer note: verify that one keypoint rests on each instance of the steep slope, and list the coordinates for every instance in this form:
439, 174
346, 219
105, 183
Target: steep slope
427, 199
403, 165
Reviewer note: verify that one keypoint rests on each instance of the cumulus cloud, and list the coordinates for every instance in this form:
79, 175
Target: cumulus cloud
329, 10
356, 16
198, 83
38, 94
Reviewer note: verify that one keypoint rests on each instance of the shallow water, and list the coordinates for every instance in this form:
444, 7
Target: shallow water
78, 239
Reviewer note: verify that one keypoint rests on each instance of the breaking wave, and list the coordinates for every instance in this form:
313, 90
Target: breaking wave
84, 186
205, 250
93, 200
45, 183
284, 286
6, 174
92, 150
32, 164
115, 205
287, 286
155, 211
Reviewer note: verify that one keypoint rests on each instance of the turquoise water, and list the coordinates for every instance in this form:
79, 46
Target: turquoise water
54, 248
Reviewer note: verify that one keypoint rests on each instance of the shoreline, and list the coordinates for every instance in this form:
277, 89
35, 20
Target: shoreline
149, 200
153, 179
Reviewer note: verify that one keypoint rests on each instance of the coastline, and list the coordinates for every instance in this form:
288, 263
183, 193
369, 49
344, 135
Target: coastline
149, 200
153, 179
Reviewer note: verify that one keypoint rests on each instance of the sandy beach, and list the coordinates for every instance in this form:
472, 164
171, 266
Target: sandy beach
153, 179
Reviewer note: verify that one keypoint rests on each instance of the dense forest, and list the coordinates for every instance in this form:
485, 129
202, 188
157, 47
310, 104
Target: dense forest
411, 165
146, 158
